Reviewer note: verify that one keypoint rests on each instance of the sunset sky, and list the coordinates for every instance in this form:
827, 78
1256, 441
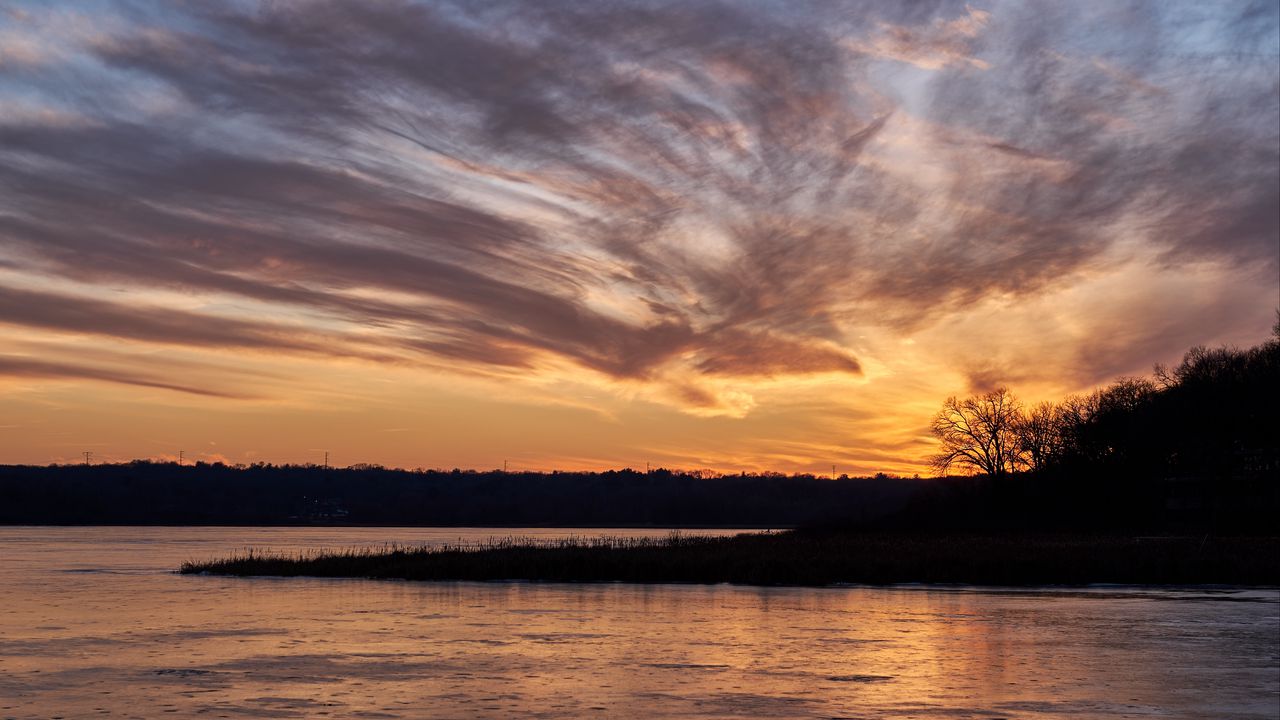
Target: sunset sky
733, 236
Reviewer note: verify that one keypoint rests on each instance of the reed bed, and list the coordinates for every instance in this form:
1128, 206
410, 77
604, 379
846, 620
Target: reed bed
793, 558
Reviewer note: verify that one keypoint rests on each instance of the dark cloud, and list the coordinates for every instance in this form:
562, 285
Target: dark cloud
137, 321
24, 367
624, 185
744, 353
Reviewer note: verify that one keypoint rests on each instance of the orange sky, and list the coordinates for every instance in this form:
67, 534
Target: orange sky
700, 236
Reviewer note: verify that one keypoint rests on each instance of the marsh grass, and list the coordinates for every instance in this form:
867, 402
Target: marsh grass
793, 558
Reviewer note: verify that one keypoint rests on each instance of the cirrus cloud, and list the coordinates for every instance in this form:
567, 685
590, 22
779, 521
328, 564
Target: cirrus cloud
688, 196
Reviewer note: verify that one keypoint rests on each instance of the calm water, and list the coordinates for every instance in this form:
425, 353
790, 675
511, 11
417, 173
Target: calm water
94, 624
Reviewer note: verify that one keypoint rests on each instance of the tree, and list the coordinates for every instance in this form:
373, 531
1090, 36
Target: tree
980, 433
1040, 435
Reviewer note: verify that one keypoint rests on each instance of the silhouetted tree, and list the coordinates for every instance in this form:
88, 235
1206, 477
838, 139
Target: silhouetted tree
1075, 413
1196, 445
979, 433
1121, 428
1039, 435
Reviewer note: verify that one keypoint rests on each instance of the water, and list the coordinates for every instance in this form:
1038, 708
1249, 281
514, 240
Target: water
94, 624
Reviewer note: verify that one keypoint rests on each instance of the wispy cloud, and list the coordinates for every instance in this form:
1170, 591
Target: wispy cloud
24, 367
691, 198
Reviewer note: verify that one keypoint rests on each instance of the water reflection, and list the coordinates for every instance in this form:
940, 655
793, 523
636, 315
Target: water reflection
92, 624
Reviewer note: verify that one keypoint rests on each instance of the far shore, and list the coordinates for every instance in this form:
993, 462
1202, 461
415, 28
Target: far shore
803, 557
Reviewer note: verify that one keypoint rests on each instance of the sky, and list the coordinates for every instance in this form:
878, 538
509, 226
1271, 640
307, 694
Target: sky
726, 236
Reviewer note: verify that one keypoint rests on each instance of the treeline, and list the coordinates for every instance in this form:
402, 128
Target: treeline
1193, 446
148, 493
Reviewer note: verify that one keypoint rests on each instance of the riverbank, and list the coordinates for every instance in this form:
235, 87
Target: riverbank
799, 558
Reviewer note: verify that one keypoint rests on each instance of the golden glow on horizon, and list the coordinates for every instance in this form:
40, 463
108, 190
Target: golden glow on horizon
563, 418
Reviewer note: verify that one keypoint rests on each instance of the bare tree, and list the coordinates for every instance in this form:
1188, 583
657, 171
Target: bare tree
979, 433
1040, 434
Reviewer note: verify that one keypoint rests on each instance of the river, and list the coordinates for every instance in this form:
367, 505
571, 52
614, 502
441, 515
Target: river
94, 623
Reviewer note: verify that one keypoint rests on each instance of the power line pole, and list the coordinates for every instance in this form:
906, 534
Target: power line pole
833, 472
504, 467
326, 459
87, 455
182, 455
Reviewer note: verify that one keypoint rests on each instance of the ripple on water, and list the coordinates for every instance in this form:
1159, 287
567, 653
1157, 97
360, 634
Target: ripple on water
93, 621
860, 678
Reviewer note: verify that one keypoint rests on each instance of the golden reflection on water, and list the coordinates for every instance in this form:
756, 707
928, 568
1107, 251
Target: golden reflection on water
90, 625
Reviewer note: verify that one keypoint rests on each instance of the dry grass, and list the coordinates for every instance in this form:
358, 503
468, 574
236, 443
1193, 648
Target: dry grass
795, 558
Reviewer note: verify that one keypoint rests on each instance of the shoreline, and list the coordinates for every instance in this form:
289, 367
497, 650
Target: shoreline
800, 558
376, 526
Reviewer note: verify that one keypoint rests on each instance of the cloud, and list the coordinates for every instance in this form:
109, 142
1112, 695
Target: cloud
663, 193
939, 44
24, 367
741, 353
87, 316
